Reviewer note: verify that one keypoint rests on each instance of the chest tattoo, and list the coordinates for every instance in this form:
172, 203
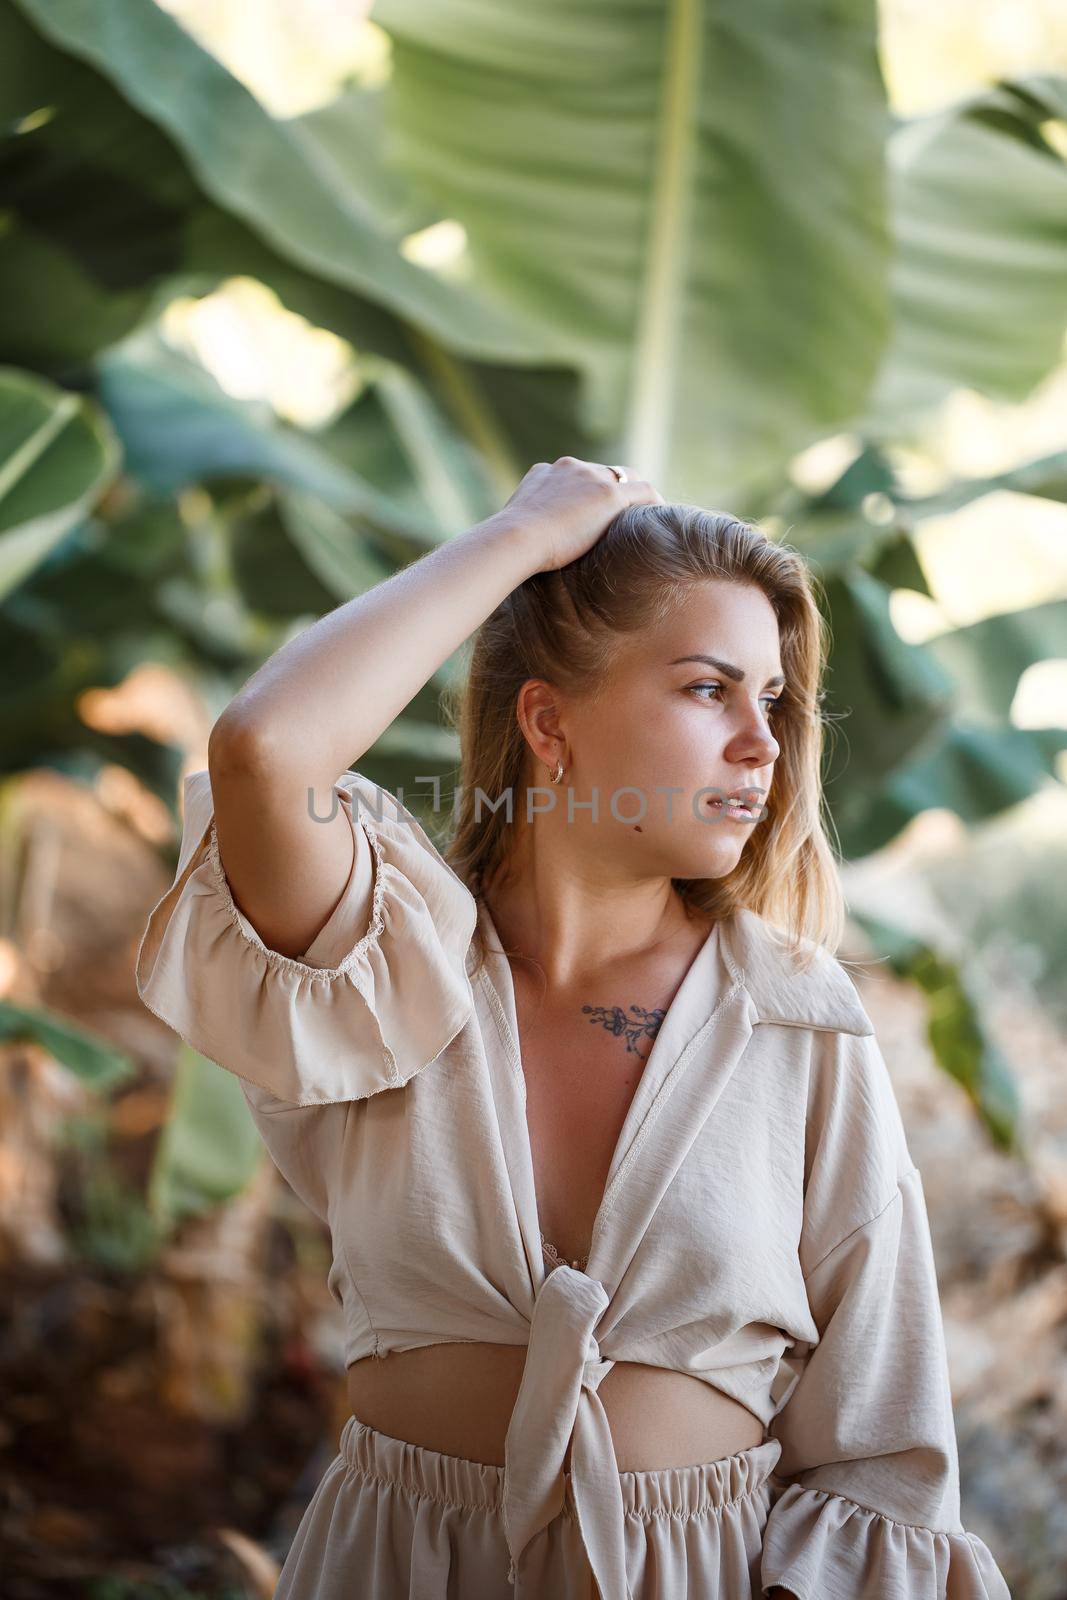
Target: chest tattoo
642, 1025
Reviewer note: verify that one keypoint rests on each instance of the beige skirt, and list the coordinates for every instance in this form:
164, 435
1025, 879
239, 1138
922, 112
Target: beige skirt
392, 1521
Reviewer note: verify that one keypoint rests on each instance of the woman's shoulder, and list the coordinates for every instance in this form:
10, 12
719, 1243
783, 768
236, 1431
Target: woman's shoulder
797, 985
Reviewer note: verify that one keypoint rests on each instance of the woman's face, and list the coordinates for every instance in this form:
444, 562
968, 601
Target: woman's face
669, 721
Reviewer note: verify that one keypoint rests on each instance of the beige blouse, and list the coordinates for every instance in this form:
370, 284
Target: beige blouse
763, 1228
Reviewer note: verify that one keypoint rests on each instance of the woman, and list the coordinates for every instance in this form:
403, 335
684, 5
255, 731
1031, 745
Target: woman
638, 1291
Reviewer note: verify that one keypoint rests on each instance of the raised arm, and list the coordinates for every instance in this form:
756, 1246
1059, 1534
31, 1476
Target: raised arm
328, 695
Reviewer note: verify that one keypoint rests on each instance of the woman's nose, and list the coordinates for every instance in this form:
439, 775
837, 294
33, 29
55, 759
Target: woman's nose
756, 744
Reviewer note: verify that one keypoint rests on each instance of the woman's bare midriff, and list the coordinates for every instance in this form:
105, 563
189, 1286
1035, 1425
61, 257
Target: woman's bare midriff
457, 1399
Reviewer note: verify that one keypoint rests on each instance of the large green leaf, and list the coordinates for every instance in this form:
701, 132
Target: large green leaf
107, 597
53, 315
1045, 477
987, 658
885, 697
342, 561
179, 427
94, 198
630, 181
638, 188
92, 1059
973, 769
58, 452
959, 1037
919, 726
104, 222
209, 1148
281, 177
979, 207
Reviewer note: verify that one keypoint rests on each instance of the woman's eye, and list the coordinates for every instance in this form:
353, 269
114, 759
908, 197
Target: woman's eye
771, 701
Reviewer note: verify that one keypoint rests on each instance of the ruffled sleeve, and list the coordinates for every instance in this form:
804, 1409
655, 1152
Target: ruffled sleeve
866, 1494
377, 996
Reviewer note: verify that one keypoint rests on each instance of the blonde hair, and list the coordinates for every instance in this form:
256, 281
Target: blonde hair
564, 626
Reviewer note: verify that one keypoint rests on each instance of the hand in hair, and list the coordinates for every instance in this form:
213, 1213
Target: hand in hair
566, 506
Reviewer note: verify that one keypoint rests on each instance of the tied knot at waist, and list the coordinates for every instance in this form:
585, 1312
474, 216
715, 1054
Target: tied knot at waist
558, 1405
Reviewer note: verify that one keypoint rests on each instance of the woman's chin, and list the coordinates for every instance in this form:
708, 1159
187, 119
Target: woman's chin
714, 862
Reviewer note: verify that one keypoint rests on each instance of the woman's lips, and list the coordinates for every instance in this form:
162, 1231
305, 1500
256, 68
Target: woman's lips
736, 810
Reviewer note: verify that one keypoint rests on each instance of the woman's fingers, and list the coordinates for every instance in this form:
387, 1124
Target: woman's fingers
638, 490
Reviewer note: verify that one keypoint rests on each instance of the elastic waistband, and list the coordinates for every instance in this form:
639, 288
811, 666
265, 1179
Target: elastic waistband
475, 1485
692, 1491
450, 1480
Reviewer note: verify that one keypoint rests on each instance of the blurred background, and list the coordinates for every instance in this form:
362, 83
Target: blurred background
294, 290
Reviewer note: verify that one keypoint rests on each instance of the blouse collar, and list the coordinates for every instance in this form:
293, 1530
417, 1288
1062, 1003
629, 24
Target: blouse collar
824, 996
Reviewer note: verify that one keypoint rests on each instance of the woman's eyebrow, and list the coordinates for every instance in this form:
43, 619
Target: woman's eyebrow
723, 666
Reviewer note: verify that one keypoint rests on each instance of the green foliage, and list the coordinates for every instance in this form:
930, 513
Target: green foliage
697, 242
159, 1588
209, 1147
110, 1225
98, 1064
956, 1030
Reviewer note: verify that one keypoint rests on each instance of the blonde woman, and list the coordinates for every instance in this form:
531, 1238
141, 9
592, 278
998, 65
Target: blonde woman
634, 1264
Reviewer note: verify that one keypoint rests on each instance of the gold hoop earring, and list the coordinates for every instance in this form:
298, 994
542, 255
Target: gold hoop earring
557, 776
